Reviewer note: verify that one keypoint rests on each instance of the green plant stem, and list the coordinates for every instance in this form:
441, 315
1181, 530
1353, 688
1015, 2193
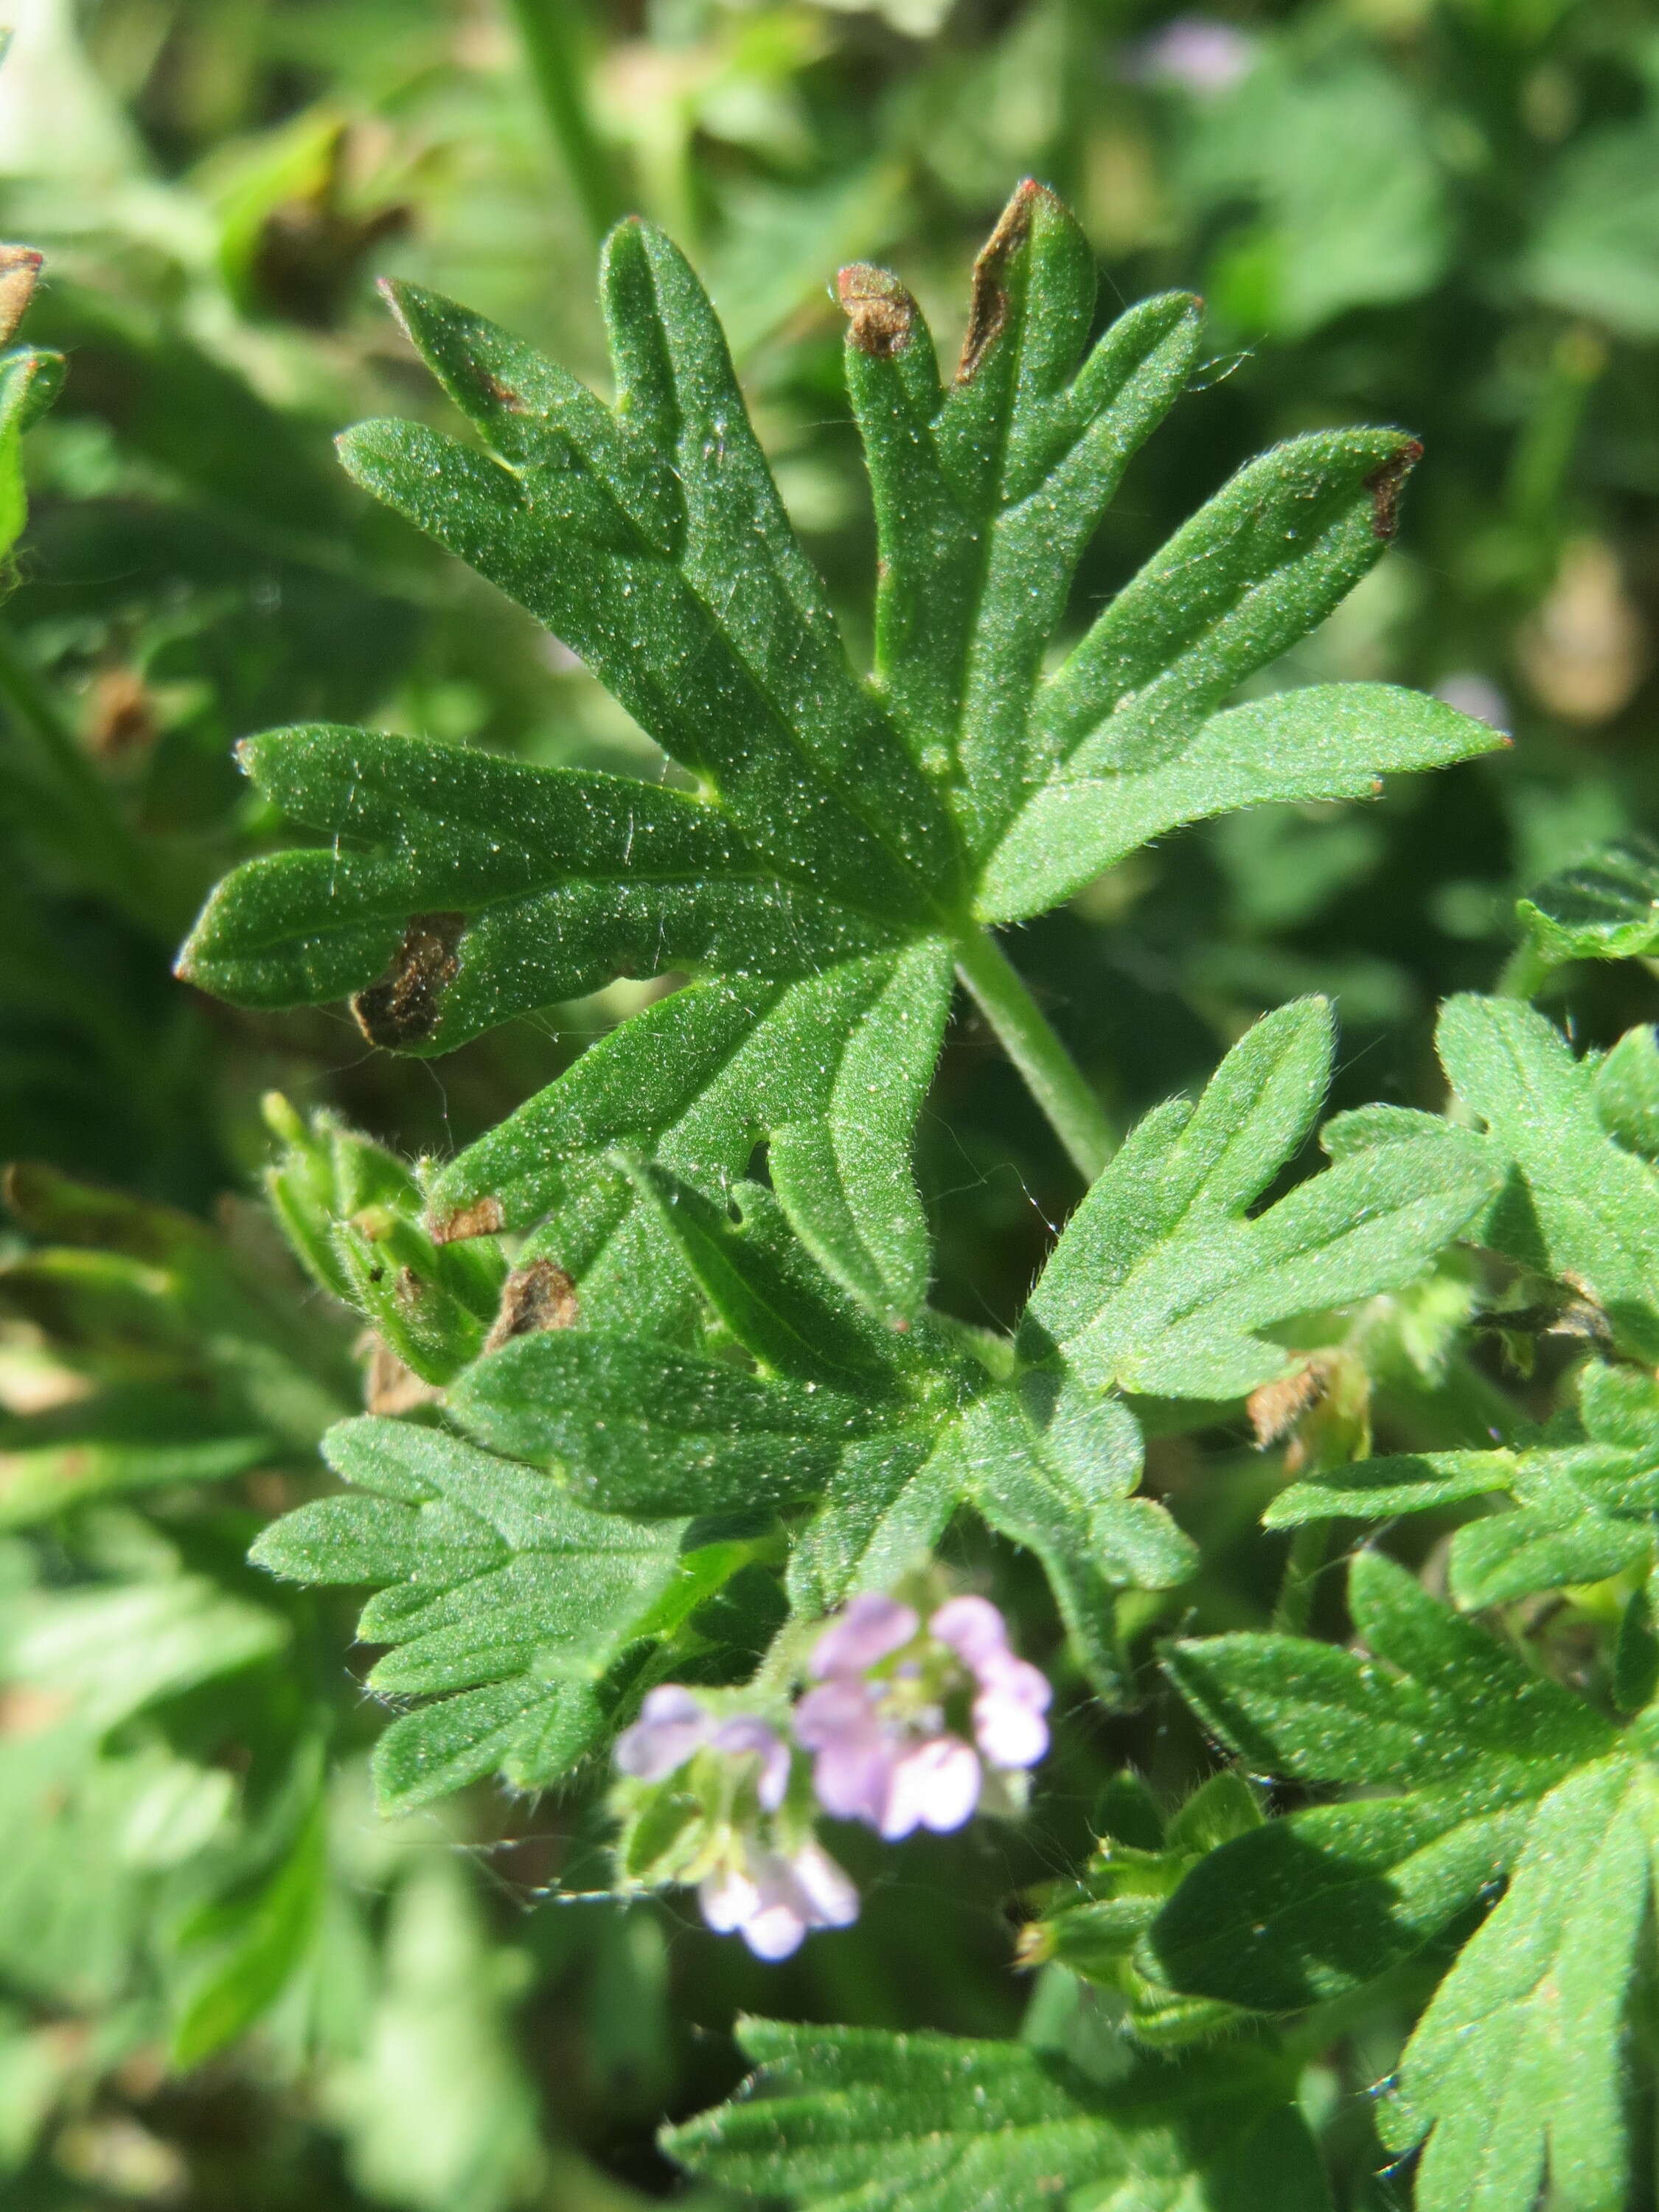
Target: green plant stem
1310, 1546
1524, 974
554, 36
71, 805
1051, 1075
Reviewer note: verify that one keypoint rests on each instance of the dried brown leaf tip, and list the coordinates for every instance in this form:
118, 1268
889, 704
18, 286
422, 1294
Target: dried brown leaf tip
1385, 483
1276, 1408
881, 313
20, 267
988, 303
389, 1387
535, 1297
484, 1217
406, 1006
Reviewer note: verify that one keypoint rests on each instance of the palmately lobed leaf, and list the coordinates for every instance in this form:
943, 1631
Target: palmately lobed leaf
1586, 1501
1577, 1205
845, 841
501, 1599
1161, 1282
1494, 1774
855, 2120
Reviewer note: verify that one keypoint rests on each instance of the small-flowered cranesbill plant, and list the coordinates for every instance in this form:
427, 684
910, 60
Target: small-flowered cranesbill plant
662, 1454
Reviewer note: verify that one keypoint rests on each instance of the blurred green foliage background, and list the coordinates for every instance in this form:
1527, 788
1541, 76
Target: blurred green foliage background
222, 1983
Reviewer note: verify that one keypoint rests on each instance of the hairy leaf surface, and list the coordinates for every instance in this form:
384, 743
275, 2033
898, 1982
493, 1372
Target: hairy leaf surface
839, 2118
841, 839
1488, 1773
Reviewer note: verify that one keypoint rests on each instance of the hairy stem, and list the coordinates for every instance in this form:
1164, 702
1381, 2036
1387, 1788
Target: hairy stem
554, 44
1524, 974
1051, 1075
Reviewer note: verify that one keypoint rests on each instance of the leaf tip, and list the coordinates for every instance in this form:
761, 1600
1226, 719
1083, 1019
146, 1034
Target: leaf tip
483, 1216
1385, 483
988, 301
881, 313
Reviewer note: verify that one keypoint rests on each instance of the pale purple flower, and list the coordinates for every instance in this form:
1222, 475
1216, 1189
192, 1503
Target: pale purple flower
972, 1627
864, 1632
875, 1721
1199, 53
671, 1725
772, 1901
1010, 1722
674, 1725
934, 1786
744, 1735
853, 1770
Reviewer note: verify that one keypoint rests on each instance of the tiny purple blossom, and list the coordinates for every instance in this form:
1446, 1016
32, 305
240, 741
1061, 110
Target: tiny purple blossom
1199, 53
971, 1627
853, 1771
772, 1901
746, 1735
875, 1721
935, 1786
866, 1632
1009, 1722
671, 1725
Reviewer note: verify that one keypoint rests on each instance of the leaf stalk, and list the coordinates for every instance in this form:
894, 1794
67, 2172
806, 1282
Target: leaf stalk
1025, 1034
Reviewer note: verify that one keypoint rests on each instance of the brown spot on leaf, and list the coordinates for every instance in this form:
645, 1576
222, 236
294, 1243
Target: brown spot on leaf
1384, 485
881, 312
987, 307
405, 1008
538, 1295
503, 395
484, 1217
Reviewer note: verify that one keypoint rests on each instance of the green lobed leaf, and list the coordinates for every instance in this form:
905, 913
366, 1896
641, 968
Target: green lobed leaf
500, 1597
840, 2117
1577, 1205
1586, 1502
841, 837
1462, 1736
1607, 907
1161, 1281
1493, 1773
1514, 2072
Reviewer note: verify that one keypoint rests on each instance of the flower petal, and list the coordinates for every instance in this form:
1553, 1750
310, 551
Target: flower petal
864, 1632
972, 1627
934, 1786
728, 1899
747, 1735
827, 1888
671, 1725
1009, 1733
